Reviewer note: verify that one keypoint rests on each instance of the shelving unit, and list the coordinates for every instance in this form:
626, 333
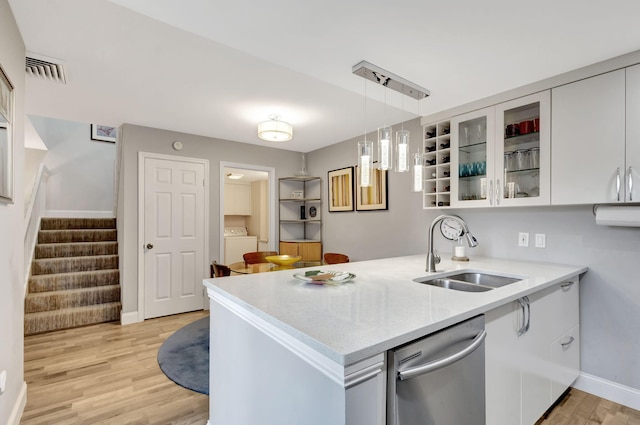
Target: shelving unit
436, 147
300, 217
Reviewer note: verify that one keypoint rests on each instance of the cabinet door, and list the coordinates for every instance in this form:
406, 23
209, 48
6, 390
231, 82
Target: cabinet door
523, 150
588, 140
565, 361
288, 248
632, 177
310, 251
502, 366
366, 392
472, 158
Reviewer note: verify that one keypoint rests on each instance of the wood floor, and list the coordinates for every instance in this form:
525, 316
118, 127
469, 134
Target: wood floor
109, 374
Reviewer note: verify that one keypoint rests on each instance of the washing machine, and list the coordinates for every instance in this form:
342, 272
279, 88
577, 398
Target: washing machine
236, 243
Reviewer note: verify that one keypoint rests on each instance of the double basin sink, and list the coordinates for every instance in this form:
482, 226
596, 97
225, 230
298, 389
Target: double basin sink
468, 281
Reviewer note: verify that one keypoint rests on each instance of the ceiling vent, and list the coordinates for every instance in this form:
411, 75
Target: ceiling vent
46, 68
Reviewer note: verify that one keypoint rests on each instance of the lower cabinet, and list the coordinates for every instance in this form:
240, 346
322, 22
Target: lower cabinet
532, 354
309, 251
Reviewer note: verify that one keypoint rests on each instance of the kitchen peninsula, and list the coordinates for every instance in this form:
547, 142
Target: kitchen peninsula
289, 352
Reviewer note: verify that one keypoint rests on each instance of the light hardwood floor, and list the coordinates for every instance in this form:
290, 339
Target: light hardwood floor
109, 374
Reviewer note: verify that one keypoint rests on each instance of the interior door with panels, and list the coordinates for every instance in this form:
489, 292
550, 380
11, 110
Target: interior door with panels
174, 227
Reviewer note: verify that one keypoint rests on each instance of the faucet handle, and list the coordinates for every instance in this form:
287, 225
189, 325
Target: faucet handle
436, 257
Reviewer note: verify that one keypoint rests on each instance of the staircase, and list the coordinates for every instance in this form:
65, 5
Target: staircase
75, 279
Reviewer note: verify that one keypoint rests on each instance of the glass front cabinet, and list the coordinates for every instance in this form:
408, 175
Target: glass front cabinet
500, 156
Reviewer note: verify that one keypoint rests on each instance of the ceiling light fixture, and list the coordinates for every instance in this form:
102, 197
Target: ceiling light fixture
275, 130
234, 176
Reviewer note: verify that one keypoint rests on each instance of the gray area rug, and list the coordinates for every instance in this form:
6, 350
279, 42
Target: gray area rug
184, 356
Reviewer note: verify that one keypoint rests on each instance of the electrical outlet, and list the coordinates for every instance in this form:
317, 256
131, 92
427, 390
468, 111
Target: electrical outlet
3, 381
541, 240
523, 239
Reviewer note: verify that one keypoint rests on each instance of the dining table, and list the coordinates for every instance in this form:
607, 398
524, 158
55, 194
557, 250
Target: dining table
242, 268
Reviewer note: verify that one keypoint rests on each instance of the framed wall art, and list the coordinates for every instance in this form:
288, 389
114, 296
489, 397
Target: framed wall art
341, 190
6, 138
103, 133
374, 197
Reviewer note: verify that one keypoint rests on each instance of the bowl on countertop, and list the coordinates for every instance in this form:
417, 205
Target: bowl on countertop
283, 260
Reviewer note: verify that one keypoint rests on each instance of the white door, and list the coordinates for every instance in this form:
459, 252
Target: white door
174, 241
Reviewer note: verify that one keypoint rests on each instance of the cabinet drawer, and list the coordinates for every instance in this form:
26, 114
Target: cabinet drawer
565, 361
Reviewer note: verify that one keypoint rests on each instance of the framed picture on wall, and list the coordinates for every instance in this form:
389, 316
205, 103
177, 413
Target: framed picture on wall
103, 133
374, 197
341, 190
6, 138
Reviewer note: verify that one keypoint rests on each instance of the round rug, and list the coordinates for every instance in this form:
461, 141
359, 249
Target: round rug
184, 356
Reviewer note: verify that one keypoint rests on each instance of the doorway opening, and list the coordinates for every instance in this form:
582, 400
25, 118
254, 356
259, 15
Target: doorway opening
247, 201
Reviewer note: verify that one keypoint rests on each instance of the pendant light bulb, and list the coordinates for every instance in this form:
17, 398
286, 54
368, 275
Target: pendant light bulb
385, 148
365, 162
402, 151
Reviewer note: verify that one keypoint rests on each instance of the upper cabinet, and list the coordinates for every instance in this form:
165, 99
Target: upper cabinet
237, 199
502, 154
589, 138
632, 146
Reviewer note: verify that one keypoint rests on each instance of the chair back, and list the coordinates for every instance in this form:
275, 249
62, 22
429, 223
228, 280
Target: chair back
335, 258
257, 257
219, 270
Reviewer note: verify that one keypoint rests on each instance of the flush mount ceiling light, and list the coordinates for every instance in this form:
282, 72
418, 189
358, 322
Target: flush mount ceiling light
234, 176
275, 130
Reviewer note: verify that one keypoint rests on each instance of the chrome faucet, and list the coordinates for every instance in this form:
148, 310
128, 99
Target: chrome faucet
432, 257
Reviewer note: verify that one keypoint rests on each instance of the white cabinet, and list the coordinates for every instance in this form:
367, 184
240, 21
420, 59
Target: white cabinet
436, 146
501, 154
589, 140
237, 199
632, 145
532, 354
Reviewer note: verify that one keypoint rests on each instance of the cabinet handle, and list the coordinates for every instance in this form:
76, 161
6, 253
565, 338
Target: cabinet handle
568, 343
526, 315
498, 192
490, 192
567, 285
618, 183
363, 375
630, 184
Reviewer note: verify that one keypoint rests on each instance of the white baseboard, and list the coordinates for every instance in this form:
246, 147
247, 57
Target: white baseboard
18, 408
129, 318
618, 393
78, 214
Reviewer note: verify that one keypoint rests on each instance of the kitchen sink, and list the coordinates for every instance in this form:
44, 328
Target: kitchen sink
468, 281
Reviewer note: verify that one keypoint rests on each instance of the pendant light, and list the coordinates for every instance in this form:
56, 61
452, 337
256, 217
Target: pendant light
402, 148
365, 151
418, 171
385, 140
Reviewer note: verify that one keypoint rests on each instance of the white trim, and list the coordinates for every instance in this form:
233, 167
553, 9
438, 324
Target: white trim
618, 393
77, 214
273, 195
323, 364
18, 407
130, 317
142, 156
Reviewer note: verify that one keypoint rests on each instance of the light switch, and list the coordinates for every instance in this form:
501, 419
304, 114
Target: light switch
541, 240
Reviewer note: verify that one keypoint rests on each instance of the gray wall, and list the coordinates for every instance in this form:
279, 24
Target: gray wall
80, 170
12, 53
610, 291
136, 139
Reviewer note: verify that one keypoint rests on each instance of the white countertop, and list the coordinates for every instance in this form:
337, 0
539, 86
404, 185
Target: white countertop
382, 307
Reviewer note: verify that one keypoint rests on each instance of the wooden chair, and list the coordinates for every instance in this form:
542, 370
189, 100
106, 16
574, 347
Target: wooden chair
257, 257
218, 270
335, 258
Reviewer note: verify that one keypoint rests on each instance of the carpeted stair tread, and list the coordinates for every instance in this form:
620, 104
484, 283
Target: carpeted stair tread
70, 264
55, 300
75, 249
46, 321
51, 223
73, 280
77, 235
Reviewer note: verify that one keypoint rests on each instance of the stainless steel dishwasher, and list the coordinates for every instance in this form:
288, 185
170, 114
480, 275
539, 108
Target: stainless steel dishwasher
439, 379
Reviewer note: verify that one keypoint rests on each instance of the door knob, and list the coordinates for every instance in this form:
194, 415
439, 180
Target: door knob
149, 246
